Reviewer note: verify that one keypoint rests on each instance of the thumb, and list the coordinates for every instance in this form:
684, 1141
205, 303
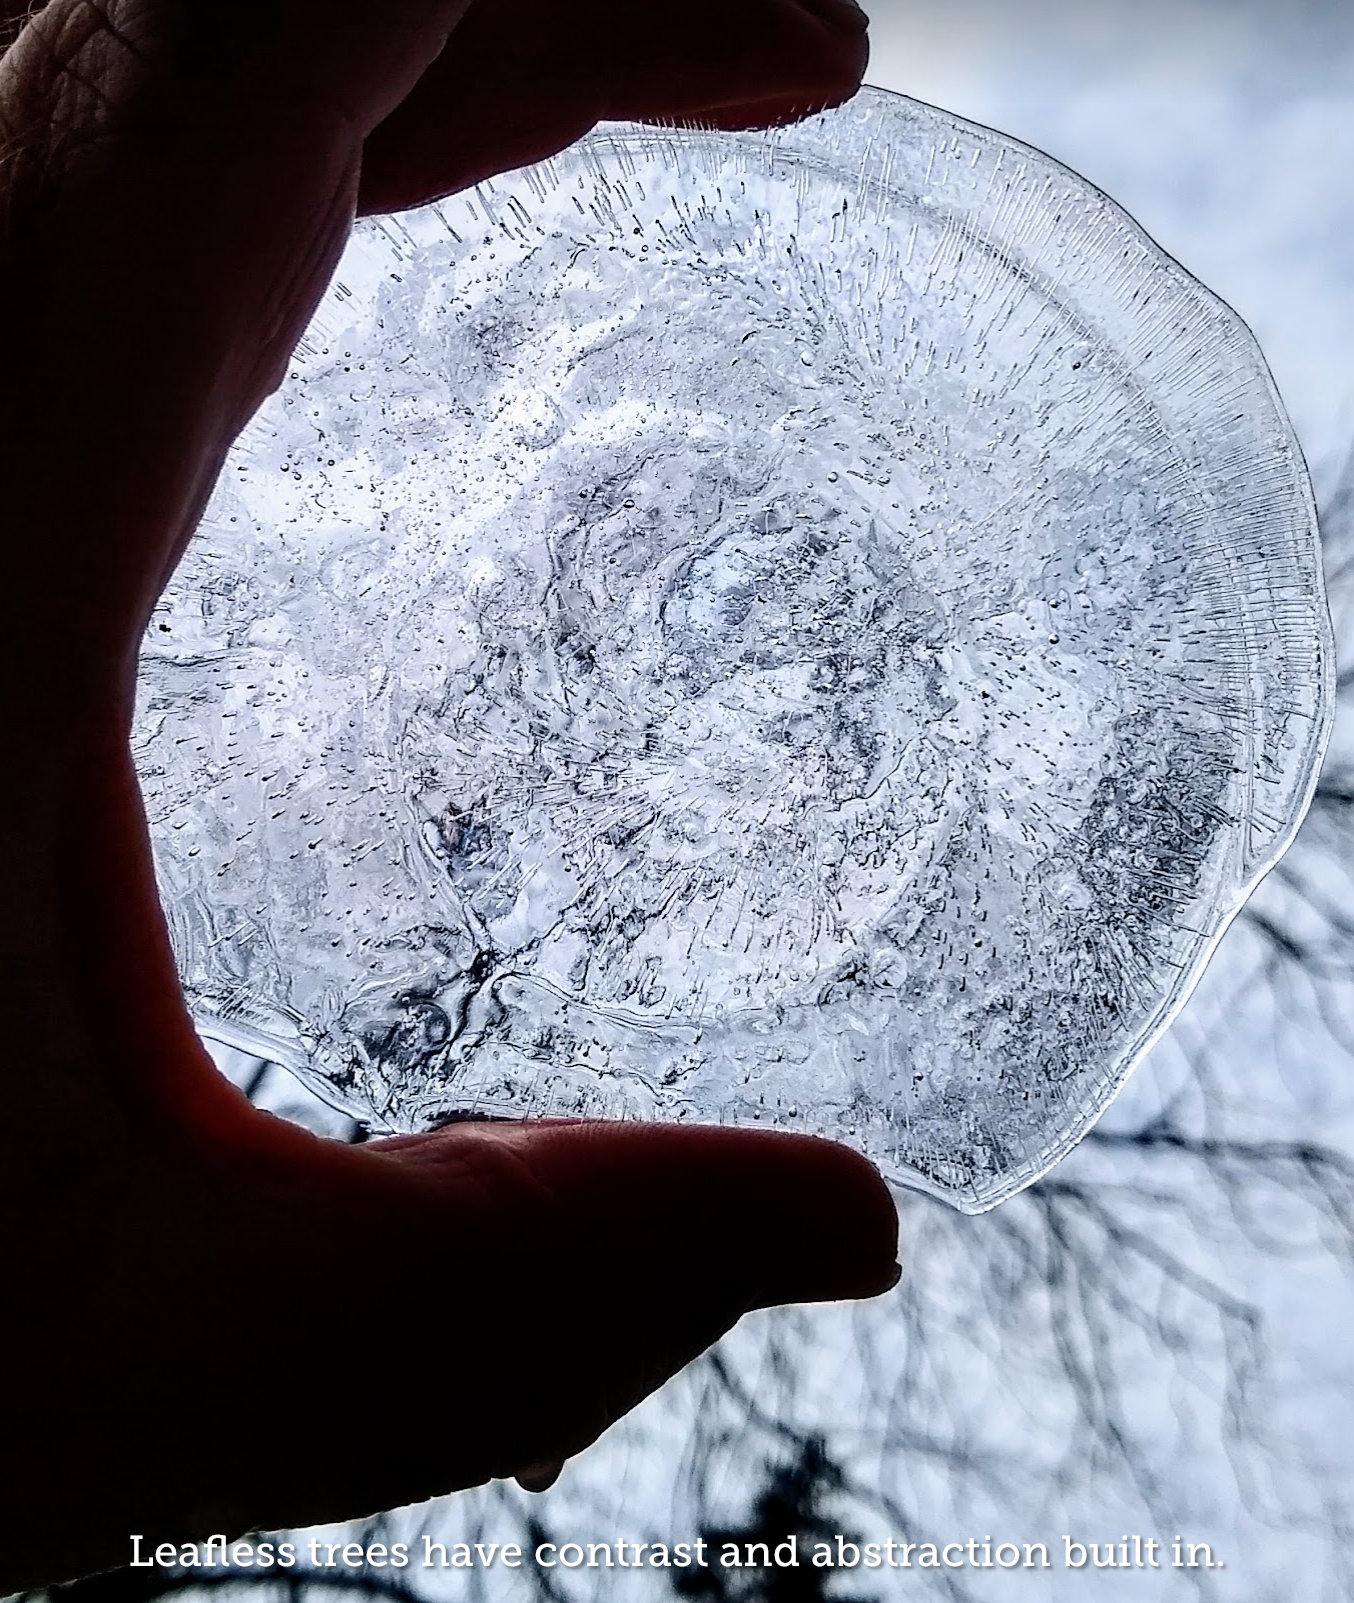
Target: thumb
541, 1280
273, 1331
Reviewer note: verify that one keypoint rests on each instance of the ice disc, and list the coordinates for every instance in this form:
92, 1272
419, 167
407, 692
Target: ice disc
822, 628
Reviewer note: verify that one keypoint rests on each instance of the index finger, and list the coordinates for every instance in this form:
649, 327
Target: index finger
182, 179
524, 78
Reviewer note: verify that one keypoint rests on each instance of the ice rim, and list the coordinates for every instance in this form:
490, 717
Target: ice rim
879, 112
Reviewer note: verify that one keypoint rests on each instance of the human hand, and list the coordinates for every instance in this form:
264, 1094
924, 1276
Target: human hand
177, 180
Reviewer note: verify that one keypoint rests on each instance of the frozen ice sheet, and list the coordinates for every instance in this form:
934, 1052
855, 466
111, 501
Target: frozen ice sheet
820, 628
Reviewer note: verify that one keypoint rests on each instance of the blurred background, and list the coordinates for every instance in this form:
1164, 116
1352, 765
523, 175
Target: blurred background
1156, 1338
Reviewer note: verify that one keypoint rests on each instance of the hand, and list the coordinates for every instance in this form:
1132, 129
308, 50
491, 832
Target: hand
177, 179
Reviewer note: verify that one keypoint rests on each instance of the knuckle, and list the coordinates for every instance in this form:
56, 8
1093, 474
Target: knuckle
64, 86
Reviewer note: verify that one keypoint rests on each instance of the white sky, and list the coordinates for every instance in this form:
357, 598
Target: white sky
1225, 126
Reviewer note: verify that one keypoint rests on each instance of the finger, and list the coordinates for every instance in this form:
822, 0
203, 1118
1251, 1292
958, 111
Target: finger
181, 179
554, 1276
412, 1317
525, 78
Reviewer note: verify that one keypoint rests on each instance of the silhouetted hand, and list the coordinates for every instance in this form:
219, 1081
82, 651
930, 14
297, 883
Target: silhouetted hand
215, 1321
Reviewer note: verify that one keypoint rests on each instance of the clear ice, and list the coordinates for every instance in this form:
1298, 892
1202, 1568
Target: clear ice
822, 628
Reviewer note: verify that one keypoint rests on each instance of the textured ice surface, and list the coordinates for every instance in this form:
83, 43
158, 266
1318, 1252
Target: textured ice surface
821, 628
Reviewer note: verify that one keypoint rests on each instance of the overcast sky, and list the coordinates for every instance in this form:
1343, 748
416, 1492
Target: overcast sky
1225, 126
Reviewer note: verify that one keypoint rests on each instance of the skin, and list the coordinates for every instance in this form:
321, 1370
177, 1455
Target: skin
199, 1295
